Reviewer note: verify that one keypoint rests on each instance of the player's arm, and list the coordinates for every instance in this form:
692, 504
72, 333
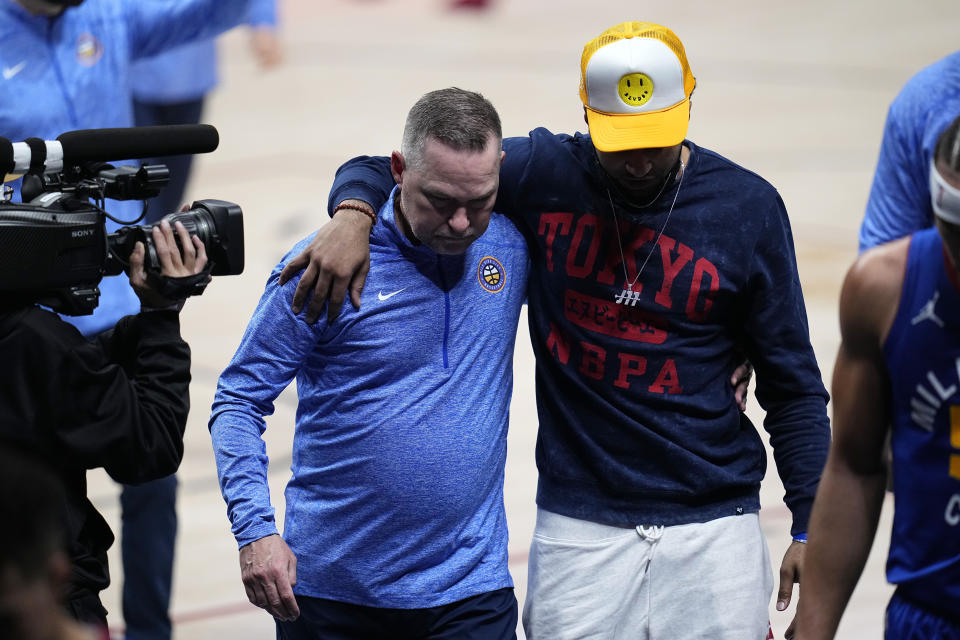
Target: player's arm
848, 502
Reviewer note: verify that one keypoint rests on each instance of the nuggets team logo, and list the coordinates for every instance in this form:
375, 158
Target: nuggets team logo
491, 274
89, 49
635, 89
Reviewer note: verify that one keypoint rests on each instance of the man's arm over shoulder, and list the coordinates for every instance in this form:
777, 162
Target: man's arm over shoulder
364, 178
156, 27
271, 353
126, 398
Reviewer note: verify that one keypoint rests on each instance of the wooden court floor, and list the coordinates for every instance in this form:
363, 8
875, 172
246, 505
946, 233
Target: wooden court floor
797, 92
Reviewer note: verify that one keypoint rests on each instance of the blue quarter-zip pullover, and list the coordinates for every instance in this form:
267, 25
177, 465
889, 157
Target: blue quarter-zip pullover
396, 493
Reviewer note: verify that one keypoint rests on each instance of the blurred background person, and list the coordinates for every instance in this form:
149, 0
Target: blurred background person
899, 201
171, 88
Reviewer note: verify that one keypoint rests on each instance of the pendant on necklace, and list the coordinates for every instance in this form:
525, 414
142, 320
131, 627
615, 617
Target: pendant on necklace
628, 297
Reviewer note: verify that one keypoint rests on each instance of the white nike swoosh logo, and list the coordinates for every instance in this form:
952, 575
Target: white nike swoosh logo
382, 297
9, 72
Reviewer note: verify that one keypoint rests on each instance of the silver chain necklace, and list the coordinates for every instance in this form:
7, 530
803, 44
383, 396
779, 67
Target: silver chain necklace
628, 297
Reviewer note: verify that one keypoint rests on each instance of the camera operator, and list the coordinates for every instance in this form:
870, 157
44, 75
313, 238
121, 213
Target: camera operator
119, 402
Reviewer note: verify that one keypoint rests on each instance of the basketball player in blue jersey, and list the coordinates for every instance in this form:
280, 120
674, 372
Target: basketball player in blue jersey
898, 370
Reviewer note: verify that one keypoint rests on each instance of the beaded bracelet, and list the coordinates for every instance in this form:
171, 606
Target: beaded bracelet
356, 207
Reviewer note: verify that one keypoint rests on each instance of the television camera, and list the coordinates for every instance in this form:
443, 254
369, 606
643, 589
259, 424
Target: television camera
54, 245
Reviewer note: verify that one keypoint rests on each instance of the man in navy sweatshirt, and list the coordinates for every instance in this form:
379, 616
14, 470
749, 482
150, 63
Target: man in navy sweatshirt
395, 525
655, 264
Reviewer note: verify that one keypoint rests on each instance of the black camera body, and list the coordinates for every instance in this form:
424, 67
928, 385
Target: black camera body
55, 249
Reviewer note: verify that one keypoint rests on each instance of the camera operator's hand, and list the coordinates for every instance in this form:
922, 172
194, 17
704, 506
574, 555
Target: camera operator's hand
172, 264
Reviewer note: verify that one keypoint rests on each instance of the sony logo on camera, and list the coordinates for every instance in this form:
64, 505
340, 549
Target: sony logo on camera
82, 233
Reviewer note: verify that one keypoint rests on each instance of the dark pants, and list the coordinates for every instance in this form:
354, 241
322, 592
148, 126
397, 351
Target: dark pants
171, 196
488, 616
148, 535
907, 620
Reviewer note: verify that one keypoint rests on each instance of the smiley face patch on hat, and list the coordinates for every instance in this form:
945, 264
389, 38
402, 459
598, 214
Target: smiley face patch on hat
635, 89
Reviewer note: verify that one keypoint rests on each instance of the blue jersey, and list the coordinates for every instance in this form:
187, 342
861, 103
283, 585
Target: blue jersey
396, 493
923, 360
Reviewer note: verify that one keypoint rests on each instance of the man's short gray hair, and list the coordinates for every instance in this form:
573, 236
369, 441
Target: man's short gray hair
462, 120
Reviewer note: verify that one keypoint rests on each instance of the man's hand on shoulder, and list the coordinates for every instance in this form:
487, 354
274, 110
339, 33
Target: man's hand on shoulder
268, 569
335, 261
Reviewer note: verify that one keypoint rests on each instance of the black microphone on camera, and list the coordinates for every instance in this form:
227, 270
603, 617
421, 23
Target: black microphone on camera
38, 156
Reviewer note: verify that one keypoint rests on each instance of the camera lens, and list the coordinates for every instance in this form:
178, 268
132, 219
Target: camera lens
198, 222
217, 223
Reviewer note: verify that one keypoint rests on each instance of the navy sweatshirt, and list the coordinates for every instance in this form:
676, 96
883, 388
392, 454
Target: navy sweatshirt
638, 423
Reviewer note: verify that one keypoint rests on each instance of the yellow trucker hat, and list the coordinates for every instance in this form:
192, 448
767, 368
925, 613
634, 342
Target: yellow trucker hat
635, 83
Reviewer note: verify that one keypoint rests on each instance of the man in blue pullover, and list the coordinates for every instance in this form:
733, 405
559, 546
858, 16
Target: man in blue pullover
395, 524
655, 262
66, 64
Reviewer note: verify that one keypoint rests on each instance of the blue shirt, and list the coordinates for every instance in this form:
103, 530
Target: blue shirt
899, 201
923, 361
73, 72
396, 493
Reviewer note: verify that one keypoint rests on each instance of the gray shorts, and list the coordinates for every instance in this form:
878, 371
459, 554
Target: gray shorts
705, 580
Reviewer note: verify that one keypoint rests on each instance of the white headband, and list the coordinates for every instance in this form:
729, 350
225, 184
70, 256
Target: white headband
944, 197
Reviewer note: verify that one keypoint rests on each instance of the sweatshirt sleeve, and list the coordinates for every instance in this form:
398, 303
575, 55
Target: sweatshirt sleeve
156, 27
272, 351
365, 178
789, 384
126, 398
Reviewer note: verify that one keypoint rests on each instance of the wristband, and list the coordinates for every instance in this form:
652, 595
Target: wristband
356, 207
801, 538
